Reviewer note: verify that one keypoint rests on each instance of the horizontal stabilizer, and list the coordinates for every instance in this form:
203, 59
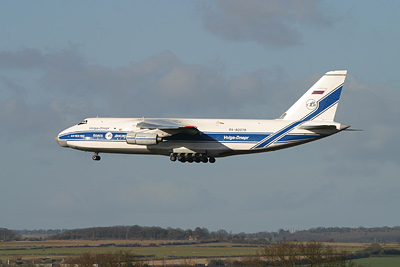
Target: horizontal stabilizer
324, 128
318, 127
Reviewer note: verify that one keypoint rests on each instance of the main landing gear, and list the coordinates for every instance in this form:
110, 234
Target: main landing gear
191, 157
96, 156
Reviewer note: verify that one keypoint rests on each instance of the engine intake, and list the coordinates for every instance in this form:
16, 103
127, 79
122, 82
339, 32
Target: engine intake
135, 138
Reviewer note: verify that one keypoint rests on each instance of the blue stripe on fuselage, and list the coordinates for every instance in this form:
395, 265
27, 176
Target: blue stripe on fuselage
218, 137
94, 136
228, 137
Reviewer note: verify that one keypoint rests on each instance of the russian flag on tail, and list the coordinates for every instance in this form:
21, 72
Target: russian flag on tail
318, 92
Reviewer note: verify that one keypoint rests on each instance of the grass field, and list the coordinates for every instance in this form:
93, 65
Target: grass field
379, 262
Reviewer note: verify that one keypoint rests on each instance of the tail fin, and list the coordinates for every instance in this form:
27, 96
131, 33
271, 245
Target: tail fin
320, 101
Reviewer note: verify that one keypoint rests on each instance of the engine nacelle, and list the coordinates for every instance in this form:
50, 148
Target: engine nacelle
135, 138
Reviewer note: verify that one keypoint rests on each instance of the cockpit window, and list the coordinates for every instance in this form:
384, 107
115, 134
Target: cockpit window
82, 122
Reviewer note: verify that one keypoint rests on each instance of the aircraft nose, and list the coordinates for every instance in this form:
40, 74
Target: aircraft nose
62, 143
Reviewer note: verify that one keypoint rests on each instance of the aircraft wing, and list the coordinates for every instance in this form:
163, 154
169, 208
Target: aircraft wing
165, 124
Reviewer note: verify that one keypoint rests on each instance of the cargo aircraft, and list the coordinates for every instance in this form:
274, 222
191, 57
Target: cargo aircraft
202, 140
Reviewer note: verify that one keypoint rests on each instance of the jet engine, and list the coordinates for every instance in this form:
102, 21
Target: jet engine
135, 138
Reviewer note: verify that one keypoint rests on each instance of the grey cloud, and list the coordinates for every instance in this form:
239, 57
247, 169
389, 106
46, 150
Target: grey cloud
29, 58
26, 58
13, 87
265, 22
160, 85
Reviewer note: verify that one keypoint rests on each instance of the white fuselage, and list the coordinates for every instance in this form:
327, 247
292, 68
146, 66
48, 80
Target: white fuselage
216, 137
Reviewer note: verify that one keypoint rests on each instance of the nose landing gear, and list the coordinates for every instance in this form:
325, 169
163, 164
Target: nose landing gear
96, 156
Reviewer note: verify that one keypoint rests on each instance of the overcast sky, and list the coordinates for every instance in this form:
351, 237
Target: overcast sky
63, 61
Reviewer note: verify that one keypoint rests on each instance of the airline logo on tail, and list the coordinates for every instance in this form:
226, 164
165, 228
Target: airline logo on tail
311, 104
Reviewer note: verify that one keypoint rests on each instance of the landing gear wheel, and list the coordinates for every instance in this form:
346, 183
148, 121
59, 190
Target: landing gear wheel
96, 157
172, 157
211, 160
197, 158
181, 157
